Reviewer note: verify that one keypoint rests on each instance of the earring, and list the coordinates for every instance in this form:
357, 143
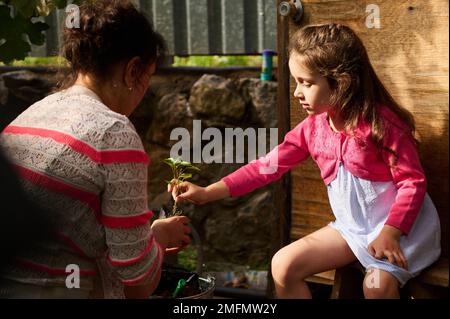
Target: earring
131, 89
114, 85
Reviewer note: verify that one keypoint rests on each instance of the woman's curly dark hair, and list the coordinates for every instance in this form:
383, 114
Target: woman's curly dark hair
110, 31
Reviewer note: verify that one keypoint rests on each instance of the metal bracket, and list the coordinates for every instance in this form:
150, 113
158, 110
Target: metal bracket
292, 8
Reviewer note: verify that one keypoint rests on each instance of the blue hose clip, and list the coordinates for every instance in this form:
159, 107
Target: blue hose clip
267, 65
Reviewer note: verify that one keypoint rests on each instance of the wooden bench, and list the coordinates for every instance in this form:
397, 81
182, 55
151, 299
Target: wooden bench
432, 283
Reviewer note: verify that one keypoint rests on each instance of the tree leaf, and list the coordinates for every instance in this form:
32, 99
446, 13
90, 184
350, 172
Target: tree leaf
60, 4
6, 21
34, 30
26, 8
44, 7
17, 32
14, 50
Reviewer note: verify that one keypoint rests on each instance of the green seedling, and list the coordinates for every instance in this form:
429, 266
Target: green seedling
181, 172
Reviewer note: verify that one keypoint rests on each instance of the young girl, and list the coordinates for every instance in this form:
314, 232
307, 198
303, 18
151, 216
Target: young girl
363, 143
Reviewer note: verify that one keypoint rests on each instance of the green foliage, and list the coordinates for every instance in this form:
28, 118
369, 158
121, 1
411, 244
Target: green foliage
19, 28
40, 61
218, 61
188, 258
179, 169
180, 174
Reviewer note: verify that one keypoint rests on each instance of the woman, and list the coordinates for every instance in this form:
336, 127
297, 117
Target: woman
80, 157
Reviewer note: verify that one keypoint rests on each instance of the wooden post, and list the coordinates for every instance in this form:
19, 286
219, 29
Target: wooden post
283, 186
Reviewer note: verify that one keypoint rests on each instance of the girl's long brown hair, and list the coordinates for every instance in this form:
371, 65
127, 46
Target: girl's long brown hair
337, 53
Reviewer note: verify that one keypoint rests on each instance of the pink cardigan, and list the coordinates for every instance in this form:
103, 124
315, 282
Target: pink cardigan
359, 155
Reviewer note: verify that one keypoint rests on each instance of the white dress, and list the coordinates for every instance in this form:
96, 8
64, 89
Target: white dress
361, 208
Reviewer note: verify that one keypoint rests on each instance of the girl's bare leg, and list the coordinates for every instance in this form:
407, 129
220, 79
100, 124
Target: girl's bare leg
320, 251
379, 284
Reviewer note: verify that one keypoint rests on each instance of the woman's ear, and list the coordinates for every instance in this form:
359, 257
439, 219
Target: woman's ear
132, 73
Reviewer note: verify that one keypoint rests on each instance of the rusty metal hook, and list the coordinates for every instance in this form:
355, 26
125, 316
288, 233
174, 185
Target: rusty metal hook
292, 8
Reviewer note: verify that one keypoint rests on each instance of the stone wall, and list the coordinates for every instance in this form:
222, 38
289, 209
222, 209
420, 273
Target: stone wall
235, 231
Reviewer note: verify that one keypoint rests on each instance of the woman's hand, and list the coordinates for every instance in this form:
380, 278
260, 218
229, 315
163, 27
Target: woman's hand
172, 233
387, 245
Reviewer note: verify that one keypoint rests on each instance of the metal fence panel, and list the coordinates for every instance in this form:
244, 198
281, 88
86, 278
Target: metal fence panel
197, 27
233, 33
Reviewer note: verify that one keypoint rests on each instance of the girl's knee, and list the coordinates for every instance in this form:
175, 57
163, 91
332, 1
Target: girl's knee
285, 268
380, 285
279, 266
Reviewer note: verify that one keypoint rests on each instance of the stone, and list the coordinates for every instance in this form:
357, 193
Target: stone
27, 86
214, 97
171, 112
20, 89
162, 200
244, 233
262, 96
142, 116
158, 171
3, 92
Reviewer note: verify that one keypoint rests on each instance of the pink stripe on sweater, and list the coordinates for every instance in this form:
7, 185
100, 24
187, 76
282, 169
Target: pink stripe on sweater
155, 264
104, 157
68, 241
51, 271
127, 262
91, 199
126, 221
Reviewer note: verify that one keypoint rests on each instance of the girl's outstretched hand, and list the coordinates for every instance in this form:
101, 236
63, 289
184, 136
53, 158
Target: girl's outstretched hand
198, 195
387, 245
188, 191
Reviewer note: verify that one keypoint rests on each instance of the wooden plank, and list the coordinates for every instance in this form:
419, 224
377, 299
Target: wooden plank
314, 208
306, 220
310, 225
310, 206
311, 190
324, 278
308, 165
437, 274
